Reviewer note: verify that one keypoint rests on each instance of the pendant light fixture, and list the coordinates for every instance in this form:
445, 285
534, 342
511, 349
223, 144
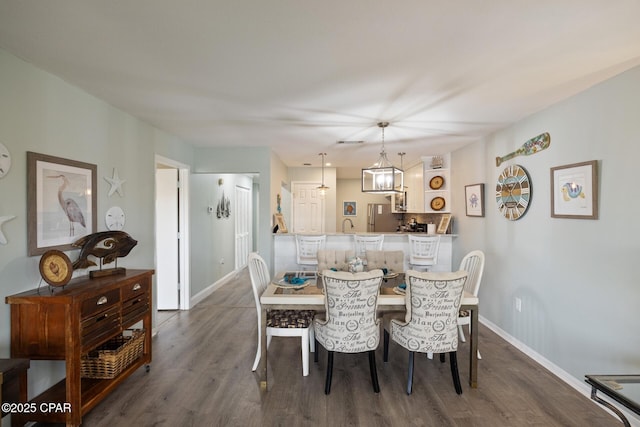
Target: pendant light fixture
323, 188
382, 177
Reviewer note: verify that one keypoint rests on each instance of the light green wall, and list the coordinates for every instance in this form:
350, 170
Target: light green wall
576, 278
212, 238
41, 113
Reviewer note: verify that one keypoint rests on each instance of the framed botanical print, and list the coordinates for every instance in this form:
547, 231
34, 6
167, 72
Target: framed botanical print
61, 202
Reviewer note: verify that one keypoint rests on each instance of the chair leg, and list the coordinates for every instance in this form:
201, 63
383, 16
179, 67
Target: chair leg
442, 357
312, 339
429, 356
385, 357
315, 354
453, 359
461, 333
374, 371
327, 384
410, 373
305, 352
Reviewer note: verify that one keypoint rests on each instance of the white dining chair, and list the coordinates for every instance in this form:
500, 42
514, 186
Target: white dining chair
423, 251
433, 302
307, 247
473, 264
280, 323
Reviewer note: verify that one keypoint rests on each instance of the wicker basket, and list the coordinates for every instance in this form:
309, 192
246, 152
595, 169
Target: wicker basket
111, 358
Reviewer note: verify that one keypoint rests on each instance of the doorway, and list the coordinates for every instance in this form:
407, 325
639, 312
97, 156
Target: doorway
308, 208
172, 235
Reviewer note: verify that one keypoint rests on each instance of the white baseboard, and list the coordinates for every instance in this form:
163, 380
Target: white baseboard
197, 298
582, 387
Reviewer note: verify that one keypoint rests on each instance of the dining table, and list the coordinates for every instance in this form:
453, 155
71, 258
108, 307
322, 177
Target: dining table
302, 290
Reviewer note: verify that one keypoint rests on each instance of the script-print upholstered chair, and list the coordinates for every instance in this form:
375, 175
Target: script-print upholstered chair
423, 251
473, 264
431, 322
350, 324
364, 243
280, 323
334, 259
307, 247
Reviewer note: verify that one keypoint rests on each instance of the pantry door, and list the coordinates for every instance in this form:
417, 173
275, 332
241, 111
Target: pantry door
308, 208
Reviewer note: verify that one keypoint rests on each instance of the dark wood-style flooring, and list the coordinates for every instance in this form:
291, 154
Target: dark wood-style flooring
201, 376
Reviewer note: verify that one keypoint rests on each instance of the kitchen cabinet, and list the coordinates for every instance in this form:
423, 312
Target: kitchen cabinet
66, 324
414, 181
437, 184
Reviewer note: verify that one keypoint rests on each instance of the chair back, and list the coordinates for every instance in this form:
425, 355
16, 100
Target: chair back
351, 303
473, 264
260, 277
423, 250
433, 302
307, 248
393, 261
334, 259
367, 243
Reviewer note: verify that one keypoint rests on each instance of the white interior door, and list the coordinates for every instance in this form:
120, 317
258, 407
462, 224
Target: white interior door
308, 208
243, 225
167, 239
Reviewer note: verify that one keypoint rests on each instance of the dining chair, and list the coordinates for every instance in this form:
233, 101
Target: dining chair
334, 259
423, 251
430, 325
392, 261
280, 323
473, 264
364, 243
350, 324
307, 247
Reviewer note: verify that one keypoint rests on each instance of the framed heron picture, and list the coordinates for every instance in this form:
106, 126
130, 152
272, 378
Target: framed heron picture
61, 202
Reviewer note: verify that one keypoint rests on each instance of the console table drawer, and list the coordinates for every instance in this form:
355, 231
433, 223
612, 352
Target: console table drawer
134, 308
100, 327
135, 289
100, 302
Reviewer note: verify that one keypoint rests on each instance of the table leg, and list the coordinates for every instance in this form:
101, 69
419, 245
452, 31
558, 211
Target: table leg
263, 358
624, 419
473, 355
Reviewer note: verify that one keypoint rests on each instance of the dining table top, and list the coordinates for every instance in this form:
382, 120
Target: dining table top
308, 291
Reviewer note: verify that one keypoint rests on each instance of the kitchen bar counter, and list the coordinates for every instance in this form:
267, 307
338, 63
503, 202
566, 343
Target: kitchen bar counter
284, 248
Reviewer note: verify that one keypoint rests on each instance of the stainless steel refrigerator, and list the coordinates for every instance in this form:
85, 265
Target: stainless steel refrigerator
380, 218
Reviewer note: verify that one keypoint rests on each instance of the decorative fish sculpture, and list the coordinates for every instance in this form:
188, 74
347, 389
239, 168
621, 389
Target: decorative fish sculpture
532, 146
107, 245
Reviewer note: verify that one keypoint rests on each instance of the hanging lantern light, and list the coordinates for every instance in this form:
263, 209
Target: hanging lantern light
382, 177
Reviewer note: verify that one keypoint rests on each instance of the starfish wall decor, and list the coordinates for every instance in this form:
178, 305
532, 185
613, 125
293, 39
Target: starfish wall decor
116, 183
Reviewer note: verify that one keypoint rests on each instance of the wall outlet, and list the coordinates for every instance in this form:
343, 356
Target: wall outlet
518, 304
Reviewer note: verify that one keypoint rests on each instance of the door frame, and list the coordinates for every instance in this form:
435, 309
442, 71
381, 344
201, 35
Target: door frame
183, 223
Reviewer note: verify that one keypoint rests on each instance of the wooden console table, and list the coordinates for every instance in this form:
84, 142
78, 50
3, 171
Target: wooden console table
70, 322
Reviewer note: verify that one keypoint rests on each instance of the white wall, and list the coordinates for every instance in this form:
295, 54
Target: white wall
351, 190
576, 278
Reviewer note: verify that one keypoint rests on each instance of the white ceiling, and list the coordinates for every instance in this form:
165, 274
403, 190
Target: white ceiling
300, 75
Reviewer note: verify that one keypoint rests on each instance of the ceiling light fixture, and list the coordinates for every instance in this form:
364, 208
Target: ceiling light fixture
323, 188
382, 177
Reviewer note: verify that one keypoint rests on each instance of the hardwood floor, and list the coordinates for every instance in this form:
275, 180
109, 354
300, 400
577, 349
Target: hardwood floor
201, 376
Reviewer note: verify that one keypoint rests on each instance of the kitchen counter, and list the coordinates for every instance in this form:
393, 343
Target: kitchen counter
284, 248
